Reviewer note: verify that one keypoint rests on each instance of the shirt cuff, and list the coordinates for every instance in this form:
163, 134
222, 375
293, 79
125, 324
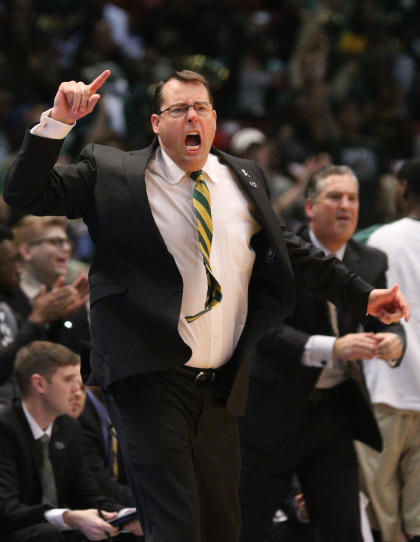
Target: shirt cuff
318, 352
55, 517
51, 128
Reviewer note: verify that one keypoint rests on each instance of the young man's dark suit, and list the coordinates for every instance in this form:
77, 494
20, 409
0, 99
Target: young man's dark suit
136, 288
20, 472
282, 406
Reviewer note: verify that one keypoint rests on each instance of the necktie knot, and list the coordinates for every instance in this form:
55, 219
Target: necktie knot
196, 174
45, 439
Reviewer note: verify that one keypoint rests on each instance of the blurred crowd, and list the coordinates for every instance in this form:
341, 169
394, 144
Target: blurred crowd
332, 78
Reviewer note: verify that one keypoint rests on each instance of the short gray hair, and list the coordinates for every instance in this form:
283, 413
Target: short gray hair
317, 179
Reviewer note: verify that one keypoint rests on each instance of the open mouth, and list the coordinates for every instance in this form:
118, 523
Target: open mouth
193, 141
61, 261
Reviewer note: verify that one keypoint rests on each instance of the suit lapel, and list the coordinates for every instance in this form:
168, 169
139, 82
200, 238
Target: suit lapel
33, 448
135, 164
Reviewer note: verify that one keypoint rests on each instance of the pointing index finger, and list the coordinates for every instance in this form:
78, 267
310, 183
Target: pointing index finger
99, 81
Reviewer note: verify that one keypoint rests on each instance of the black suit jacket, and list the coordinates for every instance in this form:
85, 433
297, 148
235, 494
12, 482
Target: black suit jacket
136, 288
280, 384
95, 452
20, 470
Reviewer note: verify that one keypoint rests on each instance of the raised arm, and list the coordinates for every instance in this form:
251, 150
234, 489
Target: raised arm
32, 183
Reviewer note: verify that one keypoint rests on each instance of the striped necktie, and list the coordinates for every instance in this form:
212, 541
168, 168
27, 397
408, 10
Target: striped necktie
114, 450
201, 202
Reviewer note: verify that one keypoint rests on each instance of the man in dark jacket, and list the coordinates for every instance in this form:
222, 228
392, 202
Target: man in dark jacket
191, 268
46, 487
309, 401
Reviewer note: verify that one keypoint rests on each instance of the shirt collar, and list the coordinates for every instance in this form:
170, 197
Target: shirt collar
173, 173
315, 241
37, 432
30, 286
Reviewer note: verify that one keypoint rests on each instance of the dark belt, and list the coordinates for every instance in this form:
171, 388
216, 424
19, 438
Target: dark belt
201, 377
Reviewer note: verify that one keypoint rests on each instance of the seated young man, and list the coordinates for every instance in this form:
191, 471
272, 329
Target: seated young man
47, 492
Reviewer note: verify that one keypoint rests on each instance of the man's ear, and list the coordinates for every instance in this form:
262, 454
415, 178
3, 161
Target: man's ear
25, 251
155, 119
403, 188
309, 208
38, 383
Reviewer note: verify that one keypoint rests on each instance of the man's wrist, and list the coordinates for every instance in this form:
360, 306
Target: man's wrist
55, 516
69, 518
51, 128
37, 319
53, 115
318, 351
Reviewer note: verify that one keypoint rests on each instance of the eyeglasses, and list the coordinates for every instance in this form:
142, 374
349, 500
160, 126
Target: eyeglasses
58, 242
179, 110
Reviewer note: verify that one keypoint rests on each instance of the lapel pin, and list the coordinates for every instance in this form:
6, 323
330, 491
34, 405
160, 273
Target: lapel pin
59, 445
245, 172
252, 184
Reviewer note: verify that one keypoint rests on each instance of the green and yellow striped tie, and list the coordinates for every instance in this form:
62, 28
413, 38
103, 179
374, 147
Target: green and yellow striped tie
201, 202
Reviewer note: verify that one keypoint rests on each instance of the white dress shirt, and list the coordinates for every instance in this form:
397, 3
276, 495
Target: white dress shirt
55, 515
214, 336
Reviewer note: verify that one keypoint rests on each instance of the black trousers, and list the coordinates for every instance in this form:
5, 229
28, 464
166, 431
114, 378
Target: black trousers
323, 457
182, 456
43, 532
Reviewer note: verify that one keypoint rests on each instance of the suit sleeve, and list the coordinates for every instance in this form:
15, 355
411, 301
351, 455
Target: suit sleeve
327, 276
35, 186
287, 340
291, 341
80, 486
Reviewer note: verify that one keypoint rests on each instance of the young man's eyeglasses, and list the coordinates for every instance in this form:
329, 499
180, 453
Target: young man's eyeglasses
58, 242
179, 110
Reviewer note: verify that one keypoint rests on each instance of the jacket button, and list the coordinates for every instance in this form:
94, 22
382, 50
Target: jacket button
271, 253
